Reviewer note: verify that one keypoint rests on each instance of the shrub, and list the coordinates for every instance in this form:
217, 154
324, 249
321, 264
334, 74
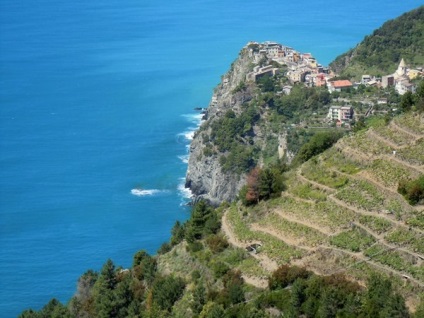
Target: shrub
164, 248
220, 269
167, 290
286, 275
216, 243
318, 143
412, 190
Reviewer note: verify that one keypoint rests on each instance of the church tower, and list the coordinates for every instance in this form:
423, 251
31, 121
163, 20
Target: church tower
401, 70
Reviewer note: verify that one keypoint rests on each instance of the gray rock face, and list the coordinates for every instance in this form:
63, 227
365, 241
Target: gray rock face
204, 176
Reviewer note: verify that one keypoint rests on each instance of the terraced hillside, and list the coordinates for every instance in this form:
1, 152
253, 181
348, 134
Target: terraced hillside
341, 211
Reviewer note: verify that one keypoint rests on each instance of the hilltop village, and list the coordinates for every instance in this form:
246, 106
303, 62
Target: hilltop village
274, 59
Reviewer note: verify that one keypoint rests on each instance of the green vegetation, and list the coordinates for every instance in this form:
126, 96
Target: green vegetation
416, 220
325, 214
300, 100
413, 154
308, 192
363, 195
313, 170
263, 184
334, 159
297, 232
395, 260
375, 223
316, 145
410, 122
412, 190
408, 238
331, 296
292, 211
389, 172
231, 135
381, 52
271, 246
355, 240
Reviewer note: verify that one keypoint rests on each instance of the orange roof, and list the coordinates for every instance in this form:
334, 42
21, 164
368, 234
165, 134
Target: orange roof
341, 83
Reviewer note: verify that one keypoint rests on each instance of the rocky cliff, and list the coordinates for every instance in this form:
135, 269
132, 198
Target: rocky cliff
204, 176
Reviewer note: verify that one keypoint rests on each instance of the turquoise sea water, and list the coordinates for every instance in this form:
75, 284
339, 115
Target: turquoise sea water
96, 103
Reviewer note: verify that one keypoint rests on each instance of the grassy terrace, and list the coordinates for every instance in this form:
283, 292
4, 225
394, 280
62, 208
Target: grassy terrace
413, 154
362, 141
407, 238
334, 159
271, 246
355, 240
315, 171
375, 223
393, 135
414, 124
361, 172
388, 172
396, 260
366, 196
239, 258
302, 234
363, 195
325, 214
416, 220
252, 267
308, 192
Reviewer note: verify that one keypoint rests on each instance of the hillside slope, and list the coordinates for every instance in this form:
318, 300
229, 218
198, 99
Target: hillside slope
342, 213
380, 52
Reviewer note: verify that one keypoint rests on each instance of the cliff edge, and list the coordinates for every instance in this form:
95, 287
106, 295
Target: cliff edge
205, 176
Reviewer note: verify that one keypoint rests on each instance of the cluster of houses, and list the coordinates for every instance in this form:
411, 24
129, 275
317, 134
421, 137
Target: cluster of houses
400, 79
301, 67
304, 68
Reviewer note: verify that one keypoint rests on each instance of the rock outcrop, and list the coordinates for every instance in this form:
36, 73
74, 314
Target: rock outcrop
204, 176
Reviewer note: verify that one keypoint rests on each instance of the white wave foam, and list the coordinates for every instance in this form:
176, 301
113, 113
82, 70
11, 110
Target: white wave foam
189, 134
186, 135
142, 192
185, 193
194, 118
184, 158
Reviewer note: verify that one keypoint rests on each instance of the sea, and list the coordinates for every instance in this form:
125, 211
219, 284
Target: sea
97, 112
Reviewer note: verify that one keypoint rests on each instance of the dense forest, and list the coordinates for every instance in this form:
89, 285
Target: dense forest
381, 52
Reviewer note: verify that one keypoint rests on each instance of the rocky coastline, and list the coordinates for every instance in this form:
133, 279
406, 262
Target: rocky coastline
205, 177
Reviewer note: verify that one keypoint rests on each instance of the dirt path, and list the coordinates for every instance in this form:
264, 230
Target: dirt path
409, 165
318, 185
255, 281
324, 230
413, 134
268, 264
381, 239
363, 212
287, 240
373, 134
365, 176
350, 152
365, 259
291, 195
